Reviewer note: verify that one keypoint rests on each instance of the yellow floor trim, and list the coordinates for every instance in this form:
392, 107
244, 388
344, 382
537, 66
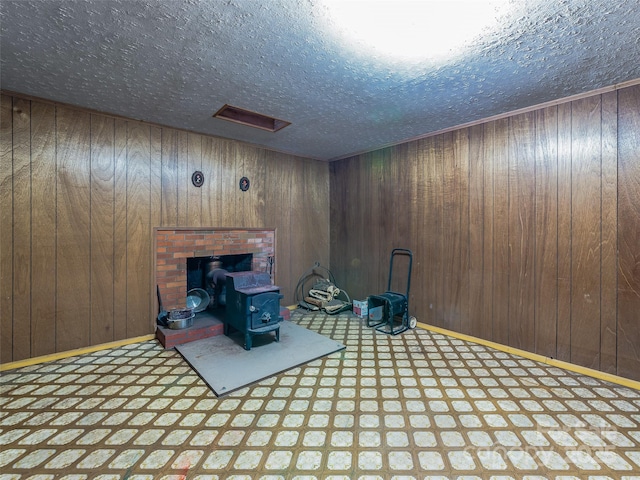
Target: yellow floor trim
72, 353
626, 382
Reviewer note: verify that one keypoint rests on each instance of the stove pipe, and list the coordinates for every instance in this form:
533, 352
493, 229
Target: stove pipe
216, 279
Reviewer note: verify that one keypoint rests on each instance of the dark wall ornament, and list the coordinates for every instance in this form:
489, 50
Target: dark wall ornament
197, 178
244, 184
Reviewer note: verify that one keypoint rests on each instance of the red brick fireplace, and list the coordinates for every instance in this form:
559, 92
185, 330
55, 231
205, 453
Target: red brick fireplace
174, 245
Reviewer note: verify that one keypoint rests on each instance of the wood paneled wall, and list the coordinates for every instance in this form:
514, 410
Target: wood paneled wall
80, 194
525, 230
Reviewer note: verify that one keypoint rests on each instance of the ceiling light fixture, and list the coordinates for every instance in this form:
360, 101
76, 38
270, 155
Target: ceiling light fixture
413, 30
252, 119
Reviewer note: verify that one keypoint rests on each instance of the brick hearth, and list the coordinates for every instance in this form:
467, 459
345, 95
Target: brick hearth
174, 245
205, 325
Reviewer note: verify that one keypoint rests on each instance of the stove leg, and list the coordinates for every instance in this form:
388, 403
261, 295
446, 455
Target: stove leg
277, 334
247, 341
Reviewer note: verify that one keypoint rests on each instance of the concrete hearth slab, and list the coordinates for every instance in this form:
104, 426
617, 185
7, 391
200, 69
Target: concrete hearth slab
225, 365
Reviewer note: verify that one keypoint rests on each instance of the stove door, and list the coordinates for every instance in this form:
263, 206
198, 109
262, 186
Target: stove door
265, 309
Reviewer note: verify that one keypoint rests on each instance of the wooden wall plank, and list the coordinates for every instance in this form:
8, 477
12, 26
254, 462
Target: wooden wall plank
356, 277
461, 151
21, 229
102, 228
366, 269
211, 187
6, 228
546, 231
423, 279
193, 193
417, 298
230, 173
217, 204
169, 177
563, 334
629, 232
404, 206
387, 222
278, 192
383, 224
254, 199
486, 323
155, 219
378, 225
300, 220
120, 255
138, 228
403, 156
609, 256
43, 219
476, 233
422, 299
316, 191
437, 223
373, 276
73, 247
521, 231
301, 191
339, 242
501, 233
585, 227
313, 183
451, 232
184, 178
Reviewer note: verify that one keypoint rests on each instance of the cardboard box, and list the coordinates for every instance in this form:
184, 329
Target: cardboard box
360, 308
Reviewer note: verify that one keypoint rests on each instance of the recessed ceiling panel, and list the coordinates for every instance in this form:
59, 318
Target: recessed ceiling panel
249, 118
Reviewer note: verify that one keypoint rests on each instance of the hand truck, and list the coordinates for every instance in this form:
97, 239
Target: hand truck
389, 311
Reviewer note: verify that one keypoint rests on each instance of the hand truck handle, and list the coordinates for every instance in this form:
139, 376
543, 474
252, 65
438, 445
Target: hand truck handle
401, 251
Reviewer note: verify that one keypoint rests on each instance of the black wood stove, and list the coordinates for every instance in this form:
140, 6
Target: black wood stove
252, 305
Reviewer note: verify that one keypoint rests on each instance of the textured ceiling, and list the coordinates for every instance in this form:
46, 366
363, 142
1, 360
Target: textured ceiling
176, 62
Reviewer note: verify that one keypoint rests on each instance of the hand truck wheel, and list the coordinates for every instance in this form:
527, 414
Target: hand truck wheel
413, 322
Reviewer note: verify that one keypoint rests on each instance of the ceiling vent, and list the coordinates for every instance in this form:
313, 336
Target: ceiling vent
252, 119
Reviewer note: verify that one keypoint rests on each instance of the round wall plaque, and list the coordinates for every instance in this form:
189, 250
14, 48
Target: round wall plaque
197, 178
244, 184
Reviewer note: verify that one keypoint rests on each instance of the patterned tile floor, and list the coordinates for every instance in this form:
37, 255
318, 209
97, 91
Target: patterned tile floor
418, 405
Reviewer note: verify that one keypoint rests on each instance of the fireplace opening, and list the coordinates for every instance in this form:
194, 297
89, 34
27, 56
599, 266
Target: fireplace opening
209, 273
